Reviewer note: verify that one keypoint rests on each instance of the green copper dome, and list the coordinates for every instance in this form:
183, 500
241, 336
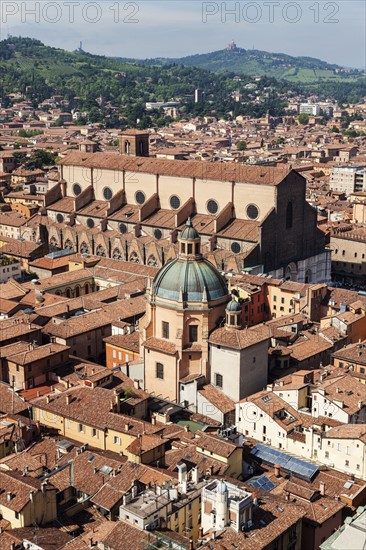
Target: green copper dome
192, 278
233, 306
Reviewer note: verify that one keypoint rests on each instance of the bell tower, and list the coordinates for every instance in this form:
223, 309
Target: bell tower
134, 143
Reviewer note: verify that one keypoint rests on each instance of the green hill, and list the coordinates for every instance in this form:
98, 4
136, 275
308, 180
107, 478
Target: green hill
114, 91
259, 63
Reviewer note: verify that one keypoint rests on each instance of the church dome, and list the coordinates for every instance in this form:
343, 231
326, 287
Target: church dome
193, 278
233, 306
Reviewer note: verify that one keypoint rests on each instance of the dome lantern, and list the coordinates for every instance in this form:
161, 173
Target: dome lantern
233, 314
189, 242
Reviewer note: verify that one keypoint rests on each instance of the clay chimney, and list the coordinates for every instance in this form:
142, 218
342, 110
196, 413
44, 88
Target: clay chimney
277, 469
322, 488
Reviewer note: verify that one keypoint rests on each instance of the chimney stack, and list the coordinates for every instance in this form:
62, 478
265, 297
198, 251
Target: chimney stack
322, 488
277, 469
195, 475
117, 402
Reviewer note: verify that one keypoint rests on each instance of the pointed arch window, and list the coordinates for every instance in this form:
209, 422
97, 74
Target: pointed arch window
134, 258
84, 249
152, 261
100, 251
289, 215
117, 254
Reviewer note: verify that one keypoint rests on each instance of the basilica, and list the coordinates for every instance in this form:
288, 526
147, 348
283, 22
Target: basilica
131, 206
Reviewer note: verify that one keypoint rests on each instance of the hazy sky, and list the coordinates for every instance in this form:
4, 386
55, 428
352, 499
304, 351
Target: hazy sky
333, 31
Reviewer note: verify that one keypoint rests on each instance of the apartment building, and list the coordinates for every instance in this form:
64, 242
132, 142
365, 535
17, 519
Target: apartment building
295, 414
92, 416
26, 501
352, 357
348, 179
344, 449
349, 255
9, 269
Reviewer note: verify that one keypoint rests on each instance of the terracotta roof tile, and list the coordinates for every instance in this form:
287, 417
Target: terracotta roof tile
239, 338
158, 344
200, 170
217, 398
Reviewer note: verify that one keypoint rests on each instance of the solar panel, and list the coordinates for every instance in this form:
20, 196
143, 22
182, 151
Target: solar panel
263, 483
348, 484
292, 464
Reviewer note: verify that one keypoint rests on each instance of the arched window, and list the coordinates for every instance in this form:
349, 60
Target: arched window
68, 292
86, 288
116, 254
68, 245
100, 251
77, 291
308, 276
127, 147
291, 272
134, 258
152, 261
84, 249
53, 242
289, 215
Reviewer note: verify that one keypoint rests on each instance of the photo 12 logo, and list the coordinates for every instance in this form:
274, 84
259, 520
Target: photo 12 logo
269, 12
70, 12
